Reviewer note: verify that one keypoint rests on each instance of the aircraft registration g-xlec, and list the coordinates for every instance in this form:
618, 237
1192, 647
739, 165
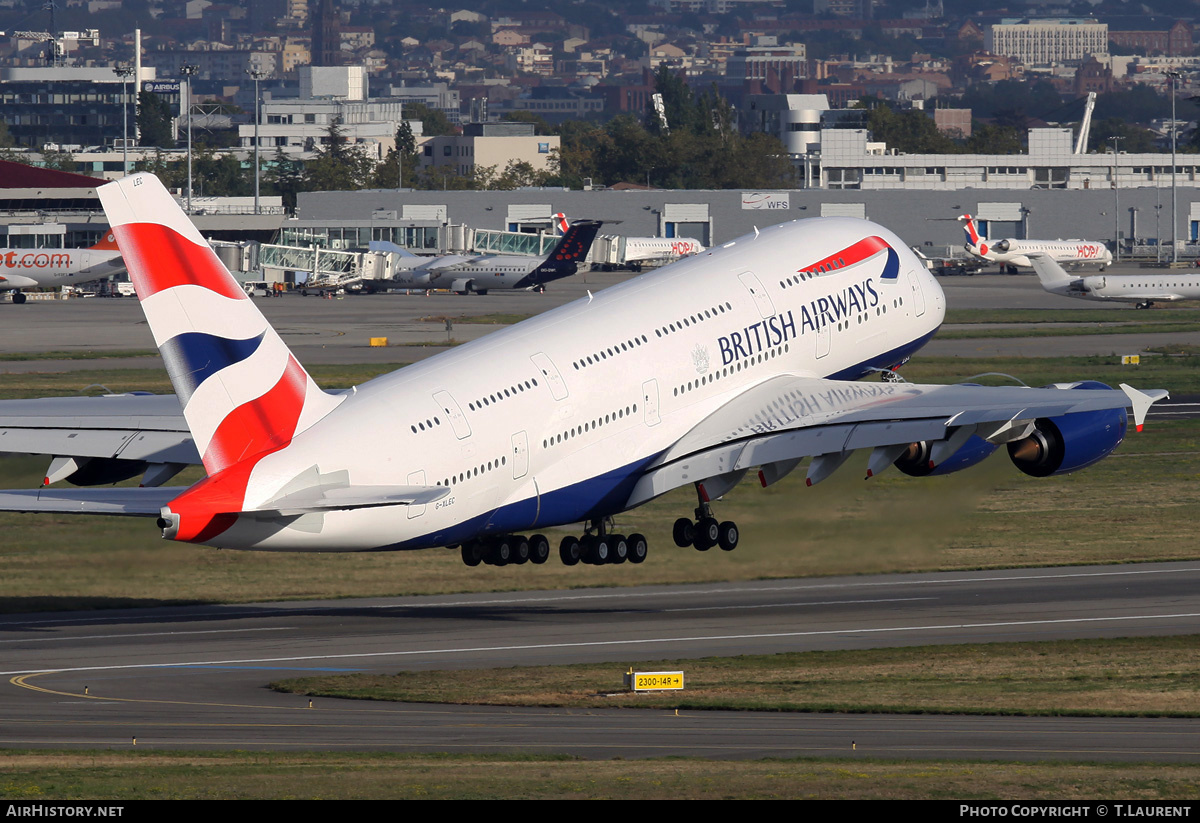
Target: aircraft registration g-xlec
37, 268
482, 273
1011, 253
1143, 290
739, 358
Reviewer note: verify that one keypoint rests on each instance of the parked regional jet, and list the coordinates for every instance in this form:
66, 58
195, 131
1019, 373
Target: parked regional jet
481, 273
1011, 253
635, 251
733, 360
37, 268
1143, 290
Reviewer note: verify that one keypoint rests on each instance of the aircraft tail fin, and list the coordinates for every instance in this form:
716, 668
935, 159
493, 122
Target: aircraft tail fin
560, 223
571, 250
242, 391
1051, 275
107, 243
975, 243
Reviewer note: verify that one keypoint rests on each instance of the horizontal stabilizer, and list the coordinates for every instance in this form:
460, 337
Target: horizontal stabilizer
128, 502
352, 497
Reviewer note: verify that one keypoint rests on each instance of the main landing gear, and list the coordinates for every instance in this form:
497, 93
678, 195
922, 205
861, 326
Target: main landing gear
505, 549
705, 532
599, 546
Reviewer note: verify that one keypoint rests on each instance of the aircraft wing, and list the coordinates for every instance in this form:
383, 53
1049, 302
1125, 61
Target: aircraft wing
126, 501
139, 427
785, 419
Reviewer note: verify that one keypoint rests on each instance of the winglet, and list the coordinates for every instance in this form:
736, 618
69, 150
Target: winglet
1142, 401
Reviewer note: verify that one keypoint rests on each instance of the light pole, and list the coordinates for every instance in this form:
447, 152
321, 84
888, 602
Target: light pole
1174, 76
189, 71
257, 74
1116, 201
124, 72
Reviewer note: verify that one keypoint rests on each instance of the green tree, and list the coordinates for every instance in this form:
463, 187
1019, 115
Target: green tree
339, 166
434, 122
387, 175
154, 121
59, 160
912, 131
1134, 139
285, 177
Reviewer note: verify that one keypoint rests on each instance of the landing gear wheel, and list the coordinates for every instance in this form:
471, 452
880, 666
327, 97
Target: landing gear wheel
18, 298
599, 549
727, 536
638, 548
520, 554
707, 533
570, 550
539, 549
684, 532
618, 547
501, 552
472, 553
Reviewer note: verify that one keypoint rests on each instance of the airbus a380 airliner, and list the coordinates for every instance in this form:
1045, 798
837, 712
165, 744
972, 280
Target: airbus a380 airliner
735, 359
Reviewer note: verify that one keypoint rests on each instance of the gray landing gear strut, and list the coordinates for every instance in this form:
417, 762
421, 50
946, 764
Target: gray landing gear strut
705, 531
600, 546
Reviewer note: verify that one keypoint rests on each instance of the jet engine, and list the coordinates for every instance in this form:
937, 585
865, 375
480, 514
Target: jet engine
1001, 245
101, 471
916, 460
1060, 445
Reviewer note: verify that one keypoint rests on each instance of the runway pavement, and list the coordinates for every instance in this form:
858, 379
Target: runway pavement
195, 678
339, 331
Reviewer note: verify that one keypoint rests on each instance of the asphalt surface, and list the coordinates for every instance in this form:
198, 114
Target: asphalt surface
339, 331
194, 678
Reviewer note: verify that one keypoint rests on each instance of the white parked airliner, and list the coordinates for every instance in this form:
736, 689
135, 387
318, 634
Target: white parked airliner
1143, 290
636, 251
41, 268
480, 273
737, 359
1012, 253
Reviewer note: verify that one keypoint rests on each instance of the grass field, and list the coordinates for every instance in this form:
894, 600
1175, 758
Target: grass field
1143, 676
114, 775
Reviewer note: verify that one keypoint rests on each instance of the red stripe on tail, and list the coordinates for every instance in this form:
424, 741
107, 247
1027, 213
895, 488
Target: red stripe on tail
160, 258
262, 425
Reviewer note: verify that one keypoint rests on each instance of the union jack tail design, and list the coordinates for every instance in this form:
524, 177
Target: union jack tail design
243, 393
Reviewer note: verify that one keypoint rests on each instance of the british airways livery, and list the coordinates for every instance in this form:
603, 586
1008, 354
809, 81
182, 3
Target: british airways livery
730, 361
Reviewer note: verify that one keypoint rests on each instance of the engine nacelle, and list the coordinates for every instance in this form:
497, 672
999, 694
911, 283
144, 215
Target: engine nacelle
1001, 245
101, 471
1060, 445
915, 462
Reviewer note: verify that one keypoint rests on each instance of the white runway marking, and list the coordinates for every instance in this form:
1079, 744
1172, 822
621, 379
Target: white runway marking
599, 643
265, 610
